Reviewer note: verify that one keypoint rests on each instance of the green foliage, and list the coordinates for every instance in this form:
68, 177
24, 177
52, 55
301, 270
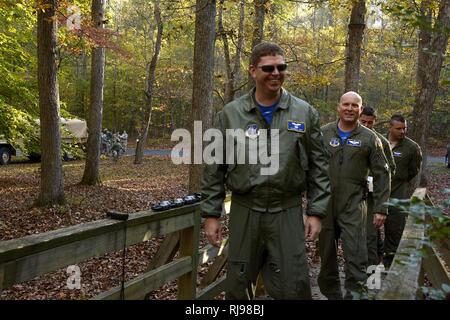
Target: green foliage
313, 34
18, 85
415, 13
436, 228
16, 125
437, 294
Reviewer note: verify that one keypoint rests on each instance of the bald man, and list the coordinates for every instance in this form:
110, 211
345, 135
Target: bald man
354, 152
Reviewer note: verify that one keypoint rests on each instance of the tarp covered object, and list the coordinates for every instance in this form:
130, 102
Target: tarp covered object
76, 126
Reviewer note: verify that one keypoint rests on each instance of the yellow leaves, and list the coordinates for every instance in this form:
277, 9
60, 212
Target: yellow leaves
312, 80
161, 107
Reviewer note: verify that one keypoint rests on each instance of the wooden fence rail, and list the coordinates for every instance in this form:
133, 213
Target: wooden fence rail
28, 257
414, 257
31, 256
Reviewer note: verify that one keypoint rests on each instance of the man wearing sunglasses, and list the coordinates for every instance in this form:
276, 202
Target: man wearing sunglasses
266, 229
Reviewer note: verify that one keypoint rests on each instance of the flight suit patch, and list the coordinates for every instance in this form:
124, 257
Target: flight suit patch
296, 126
252, 131
397, 154
334, 142
354, 143
379, 143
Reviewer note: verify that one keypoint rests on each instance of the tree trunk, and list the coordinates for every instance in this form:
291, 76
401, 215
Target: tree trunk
233, 74
115, 111
91, 175
226, 51
354, 46
240, 45
202, 97
150, 87
431, 52
258, 30
52, 179
80, 89
116, 121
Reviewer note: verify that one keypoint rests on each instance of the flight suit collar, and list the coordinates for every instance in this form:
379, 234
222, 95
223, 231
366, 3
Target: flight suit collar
398, 145
355, 131
282, 104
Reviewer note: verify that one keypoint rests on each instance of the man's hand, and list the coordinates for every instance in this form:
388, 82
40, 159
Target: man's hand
378, 220
313, 225
213, 231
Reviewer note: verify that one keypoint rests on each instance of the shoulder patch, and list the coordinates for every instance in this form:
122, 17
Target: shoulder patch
354, 143
296, 126
378, 143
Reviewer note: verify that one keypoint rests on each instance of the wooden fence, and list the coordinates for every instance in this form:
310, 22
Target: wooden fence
415, 256
31, 256
28, 257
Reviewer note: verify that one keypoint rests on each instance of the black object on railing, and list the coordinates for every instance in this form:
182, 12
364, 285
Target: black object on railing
178, 202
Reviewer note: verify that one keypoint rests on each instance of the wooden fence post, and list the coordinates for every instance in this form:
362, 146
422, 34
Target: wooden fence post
189, 242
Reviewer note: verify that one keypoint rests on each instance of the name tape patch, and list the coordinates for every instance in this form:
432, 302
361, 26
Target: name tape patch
296, 126
354, 143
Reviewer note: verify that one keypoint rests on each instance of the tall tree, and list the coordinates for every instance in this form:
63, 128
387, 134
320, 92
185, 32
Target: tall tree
81, 80
91, 174
150, 86
52, 179
233, 72
354, 45
202, 97
433, 41
258, 29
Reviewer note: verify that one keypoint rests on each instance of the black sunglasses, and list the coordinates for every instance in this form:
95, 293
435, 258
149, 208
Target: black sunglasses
270, 69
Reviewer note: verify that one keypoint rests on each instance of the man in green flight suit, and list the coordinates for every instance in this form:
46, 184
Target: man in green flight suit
354, 152
368, 119
408, 160
266, 229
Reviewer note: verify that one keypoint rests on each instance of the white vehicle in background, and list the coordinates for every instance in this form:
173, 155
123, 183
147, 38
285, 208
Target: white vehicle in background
74, 130
7, 150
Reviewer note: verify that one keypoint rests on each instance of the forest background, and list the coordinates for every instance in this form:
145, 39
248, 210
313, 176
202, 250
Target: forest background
313, 33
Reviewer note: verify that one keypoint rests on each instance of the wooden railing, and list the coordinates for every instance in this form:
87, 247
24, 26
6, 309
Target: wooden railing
31, 256
28, 257
414, 257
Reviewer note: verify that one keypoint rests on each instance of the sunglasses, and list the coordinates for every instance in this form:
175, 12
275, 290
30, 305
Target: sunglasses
270, 69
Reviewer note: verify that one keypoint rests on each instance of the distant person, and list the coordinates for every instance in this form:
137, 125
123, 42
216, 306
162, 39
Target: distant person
368, 118
108, 134
408, 160
447, 156
104, 143
124, 139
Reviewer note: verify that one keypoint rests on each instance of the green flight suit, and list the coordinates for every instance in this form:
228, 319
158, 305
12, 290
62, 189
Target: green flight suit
374, 248
408, 160
346, 218
266, 229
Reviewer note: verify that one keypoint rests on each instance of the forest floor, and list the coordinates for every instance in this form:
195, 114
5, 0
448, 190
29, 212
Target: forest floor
154, 143
127, 188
